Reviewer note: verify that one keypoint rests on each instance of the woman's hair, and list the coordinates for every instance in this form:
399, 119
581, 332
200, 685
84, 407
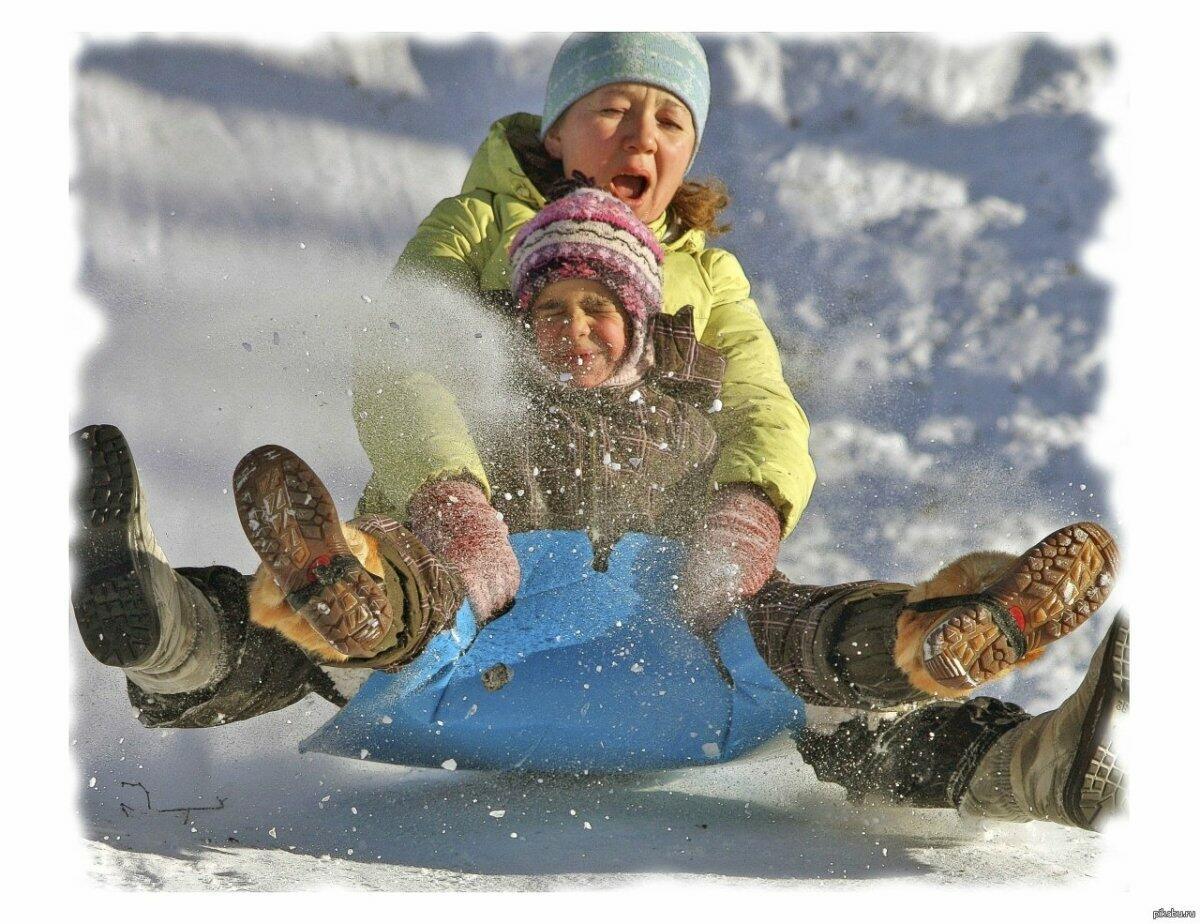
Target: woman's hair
695, 204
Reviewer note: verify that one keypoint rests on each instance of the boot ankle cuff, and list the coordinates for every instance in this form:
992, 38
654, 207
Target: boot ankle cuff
864, 651
207, 630
423, 592
834, 645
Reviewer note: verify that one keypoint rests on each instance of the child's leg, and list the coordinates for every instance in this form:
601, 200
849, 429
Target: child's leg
181, 635
420, 590
871, 645
989, 758
265, 671
834, 646
365, 594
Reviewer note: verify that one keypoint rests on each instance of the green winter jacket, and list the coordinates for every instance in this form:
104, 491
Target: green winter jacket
763, 432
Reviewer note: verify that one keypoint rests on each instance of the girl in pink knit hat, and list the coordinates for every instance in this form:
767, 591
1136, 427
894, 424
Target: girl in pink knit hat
588, 274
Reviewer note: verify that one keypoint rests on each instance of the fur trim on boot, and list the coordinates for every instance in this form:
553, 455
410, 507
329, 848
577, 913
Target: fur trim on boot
291, 521
966, 575
983, 615
269, 607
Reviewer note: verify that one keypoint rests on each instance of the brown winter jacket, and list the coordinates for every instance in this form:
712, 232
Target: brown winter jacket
638, 458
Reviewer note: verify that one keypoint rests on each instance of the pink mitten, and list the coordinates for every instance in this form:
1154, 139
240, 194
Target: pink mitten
731, 556
455, 521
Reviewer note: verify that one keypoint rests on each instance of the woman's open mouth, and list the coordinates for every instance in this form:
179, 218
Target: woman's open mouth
629, 187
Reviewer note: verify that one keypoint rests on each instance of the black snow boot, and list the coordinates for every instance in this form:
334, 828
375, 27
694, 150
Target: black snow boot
924, 759
134, 611
1062, 765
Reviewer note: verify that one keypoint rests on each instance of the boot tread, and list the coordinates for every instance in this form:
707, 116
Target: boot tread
113, 605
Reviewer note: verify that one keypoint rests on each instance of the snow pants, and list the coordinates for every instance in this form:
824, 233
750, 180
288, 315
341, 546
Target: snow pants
832, 645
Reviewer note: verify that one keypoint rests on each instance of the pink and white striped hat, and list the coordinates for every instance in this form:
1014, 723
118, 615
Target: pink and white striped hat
589, 234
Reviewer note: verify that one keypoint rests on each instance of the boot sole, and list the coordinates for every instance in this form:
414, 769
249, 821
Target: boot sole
111, 588
292, 523
1096, 784
1058, 585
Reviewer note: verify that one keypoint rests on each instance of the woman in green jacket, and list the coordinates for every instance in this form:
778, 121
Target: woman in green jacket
626, 111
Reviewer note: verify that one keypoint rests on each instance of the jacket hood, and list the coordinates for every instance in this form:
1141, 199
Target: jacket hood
495, 169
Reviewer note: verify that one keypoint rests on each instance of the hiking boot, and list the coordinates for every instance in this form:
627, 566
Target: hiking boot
292, 522
1061, 766
1046, 593
132, 608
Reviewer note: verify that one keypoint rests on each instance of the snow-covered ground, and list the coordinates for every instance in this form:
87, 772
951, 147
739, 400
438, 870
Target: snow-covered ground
911, 216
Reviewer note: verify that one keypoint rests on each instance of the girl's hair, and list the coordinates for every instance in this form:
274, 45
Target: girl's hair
695, 204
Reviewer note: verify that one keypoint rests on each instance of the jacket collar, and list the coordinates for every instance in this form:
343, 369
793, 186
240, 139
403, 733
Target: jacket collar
495, 169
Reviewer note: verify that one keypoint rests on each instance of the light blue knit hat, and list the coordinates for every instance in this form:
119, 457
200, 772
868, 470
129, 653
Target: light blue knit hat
587, 61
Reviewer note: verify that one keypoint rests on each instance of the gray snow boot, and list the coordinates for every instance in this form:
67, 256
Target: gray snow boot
133, 609
1061, 765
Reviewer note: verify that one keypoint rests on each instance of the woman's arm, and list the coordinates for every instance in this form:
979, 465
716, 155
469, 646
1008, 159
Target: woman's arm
452, 244
763, 431
408, 422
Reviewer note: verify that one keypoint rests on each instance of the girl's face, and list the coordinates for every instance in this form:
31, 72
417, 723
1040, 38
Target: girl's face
580, 331
633, 140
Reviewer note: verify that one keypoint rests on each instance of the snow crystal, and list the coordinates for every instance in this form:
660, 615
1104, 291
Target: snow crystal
497, 813
450, 764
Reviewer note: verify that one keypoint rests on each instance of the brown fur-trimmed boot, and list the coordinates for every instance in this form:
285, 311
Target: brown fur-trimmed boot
292, 522
362, 594
984, 614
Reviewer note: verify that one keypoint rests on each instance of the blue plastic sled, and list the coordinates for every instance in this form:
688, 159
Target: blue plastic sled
599, 677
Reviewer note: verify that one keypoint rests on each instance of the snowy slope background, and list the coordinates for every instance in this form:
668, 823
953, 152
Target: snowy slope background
911, 216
